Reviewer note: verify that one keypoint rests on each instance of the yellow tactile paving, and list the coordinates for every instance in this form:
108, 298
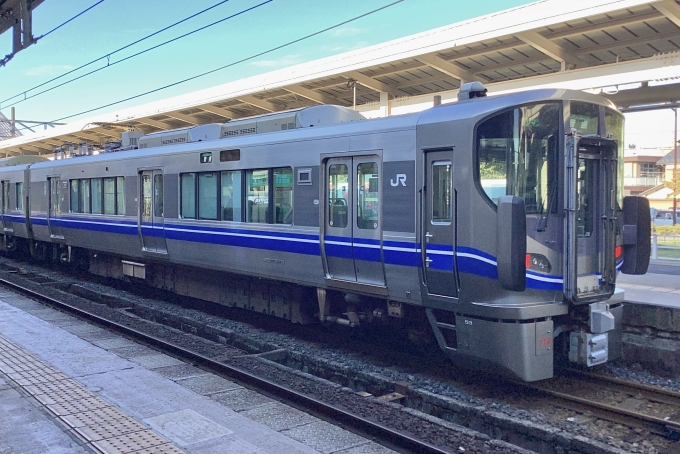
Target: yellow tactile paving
131, 442
104, 428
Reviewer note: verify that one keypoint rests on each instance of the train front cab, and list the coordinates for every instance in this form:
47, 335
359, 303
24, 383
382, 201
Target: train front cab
535, 263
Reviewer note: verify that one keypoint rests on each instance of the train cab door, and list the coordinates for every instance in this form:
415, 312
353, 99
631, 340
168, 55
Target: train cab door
591, 175
352, 221
151, 220
439, 225
56, 191
6, 207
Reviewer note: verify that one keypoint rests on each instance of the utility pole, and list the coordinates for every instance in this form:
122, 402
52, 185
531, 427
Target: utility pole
675, 166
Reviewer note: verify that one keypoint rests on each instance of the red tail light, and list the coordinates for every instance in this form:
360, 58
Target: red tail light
527, 261
619, 251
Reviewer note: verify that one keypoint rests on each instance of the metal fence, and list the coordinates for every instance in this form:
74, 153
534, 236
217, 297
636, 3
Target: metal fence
665, 247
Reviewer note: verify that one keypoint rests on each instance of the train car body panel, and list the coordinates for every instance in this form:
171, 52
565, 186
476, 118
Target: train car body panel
403, 211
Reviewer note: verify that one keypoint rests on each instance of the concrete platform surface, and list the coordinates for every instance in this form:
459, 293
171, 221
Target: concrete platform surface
654, 289
167, 402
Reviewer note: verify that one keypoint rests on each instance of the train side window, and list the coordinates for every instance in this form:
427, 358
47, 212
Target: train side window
368, 200
207, 195
188, 195
441, 192
231, 196
338, 191
84, 194
110, 196
75, 196
20, 196
257, 196
158, 195
283, 195
120, 195
5, 196
97, 195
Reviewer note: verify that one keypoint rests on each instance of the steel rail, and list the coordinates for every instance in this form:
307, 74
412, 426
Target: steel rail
361, 425
665, 428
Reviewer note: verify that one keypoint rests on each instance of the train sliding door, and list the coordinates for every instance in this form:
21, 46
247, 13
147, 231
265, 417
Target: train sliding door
151, 221
352, 224
54, 207
438, 240
6, 208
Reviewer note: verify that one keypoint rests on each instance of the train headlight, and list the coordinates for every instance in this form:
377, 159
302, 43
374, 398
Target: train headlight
538, 262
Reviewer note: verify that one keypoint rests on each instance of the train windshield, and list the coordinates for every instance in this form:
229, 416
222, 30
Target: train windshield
613, 124
517, 154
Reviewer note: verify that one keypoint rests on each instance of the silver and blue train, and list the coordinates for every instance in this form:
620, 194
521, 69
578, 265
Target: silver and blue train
498, 222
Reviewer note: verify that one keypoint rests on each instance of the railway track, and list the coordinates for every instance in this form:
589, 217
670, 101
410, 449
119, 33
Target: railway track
566, 391
637, 406
378, 432
655, 409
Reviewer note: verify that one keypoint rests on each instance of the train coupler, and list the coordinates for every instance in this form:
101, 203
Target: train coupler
589, 349
592, 348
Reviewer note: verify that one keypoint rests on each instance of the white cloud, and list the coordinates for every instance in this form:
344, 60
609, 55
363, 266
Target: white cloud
345, 32
286, 60
48, 70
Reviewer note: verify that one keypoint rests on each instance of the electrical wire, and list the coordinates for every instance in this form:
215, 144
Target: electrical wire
26, 98
233, 63
9, 56
35, 40
108, 56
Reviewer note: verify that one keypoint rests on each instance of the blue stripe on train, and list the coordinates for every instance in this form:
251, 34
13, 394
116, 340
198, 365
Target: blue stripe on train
469, 260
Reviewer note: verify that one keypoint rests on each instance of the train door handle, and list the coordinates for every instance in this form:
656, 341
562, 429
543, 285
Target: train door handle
428, 235
428, 260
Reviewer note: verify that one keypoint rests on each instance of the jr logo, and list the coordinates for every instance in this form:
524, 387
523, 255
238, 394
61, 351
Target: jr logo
401, 178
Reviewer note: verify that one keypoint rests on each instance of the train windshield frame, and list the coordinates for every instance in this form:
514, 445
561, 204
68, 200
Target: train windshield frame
518, 154
518, 150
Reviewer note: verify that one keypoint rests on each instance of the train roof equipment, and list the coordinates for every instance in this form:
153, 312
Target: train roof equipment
22, 159
280, 121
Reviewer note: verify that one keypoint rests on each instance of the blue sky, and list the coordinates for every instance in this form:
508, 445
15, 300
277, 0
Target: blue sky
115, 23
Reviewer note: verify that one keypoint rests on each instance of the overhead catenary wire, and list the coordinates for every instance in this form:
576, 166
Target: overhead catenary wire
8, 57
259, 54
108, 55
109, 64
64, 23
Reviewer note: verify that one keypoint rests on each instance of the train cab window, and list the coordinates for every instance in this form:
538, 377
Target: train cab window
368, 200
517, 154
158, 195
188, 195
441, 193
97, 195
20, 196
207, 195
257, 196
283, 195
338, 178
584, 117
613, 121
109, 196
230, 201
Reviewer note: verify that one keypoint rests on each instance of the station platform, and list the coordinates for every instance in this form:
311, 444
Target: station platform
70, 387
653, 288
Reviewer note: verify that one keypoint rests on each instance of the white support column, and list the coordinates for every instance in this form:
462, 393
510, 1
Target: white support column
384, 104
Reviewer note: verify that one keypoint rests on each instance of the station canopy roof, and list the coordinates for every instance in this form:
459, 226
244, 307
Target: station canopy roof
627, 50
